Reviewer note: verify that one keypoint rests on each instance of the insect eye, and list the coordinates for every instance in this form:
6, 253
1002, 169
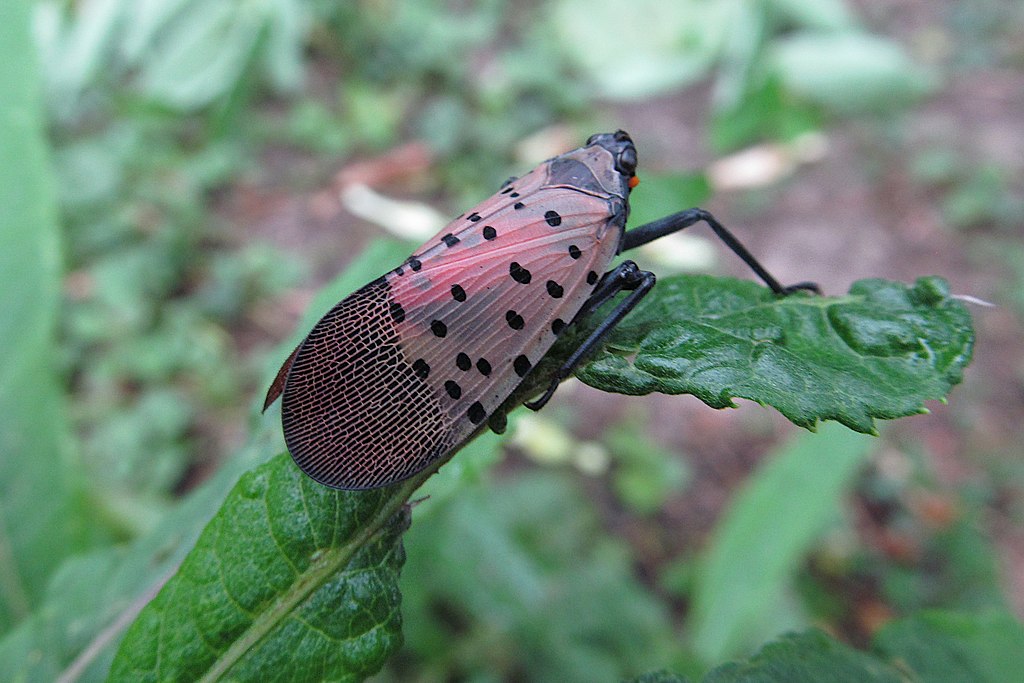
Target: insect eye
626, 163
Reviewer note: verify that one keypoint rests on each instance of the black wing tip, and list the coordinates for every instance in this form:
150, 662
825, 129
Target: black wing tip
277, 386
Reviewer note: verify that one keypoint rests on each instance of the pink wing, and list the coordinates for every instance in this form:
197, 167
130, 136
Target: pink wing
481, 313
408, 367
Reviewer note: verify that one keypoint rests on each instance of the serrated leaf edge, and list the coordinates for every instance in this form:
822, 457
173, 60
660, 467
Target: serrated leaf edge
628, 354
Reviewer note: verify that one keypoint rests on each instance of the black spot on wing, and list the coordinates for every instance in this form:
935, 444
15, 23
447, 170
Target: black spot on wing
519, 274
476, 413
514, 320
453, 389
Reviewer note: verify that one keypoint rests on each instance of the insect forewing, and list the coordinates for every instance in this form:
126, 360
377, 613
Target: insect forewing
409, 366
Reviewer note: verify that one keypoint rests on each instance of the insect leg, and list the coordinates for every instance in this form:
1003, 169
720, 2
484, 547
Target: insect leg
684, 219
626, 277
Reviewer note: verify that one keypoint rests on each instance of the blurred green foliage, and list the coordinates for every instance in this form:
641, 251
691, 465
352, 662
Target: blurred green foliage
547, 595
156, 111
43, 515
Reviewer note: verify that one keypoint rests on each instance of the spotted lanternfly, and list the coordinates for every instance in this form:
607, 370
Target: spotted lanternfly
406, 369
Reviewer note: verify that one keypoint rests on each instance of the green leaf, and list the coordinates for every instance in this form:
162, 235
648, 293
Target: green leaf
949, 646
660, 677
878, 352
183, 53
764, 112
930, 647
823, 14
807, 657
201, 55
848, 71
43, 518
662, 193
289, 575
670, 44
735, 608
645, 474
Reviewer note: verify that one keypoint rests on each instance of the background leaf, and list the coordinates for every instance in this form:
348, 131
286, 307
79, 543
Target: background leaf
825, 14
848, 71
184, 54
946, 646
879, 352
807, 658
677, 49
932, 647
37, 529
740, 597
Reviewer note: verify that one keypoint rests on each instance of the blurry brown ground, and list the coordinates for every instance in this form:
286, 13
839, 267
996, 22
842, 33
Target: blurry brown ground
858, 212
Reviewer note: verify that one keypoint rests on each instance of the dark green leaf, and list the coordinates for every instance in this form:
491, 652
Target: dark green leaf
288, 575
93, 598
660, 677
948, 646
806, 657
878, 352
931, 647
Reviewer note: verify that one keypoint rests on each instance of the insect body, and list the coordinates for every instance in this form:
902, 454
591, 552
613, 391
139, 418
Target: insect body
406, 369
